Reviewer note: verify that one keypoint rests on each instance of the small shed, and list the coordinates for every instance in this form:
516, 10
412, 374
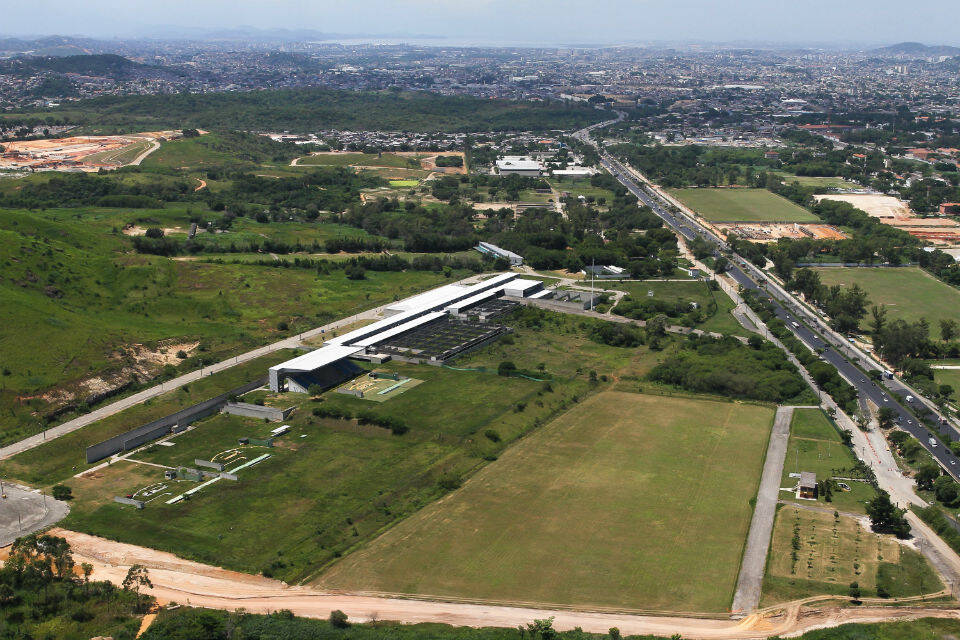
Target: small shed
808, 485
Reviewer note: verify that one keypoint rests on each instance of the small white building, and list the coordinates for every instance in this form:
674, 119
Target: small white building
519, 165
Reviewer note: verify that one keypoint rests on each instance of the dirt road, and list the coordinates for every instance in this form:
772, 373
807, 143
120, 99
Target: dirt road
186, 582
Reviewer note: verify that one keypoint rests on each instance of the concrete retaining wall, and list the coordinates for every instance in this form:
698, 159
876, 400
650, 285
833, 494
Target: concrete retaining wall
206, 463
158, 428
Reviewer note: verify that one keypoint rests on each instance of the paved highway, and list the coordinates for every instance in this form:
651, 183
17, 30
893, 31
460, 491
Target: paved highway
799, 320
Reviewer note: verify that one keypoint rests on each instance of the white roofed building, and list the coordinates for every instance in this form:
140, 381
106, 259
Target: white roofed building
519, 165
329, 365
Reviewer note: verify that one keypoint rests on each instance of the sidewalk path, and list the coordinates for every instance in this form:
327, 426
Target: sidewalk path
747, 596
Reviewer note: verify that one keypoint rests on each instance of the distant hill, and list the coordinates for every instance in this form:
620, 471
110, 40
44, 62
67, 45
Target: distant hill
48, 46
103, 65
312, 109
915, 50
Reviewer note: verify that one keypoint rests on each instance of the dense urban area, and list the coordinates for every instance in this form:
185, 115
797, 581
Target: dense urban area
310, 339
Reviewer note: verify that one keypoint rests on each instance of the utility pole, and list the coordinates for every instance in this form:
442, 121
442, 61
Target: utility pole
593, 275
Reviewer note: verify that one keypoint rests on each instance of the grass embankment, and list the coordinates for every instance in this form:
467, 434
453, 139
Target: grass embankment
78, 304
742, 205
627, 500
62, 457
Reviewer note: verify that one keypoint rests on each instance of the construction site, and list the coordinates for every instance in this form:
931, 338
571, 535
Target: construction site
773, 231
897, 213
82, 153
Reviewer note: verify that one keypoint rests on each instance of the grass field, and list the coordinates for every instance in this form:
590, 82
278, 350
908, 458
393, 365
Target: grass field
627, 500
330, 484
404, 184
835, 551
581, 187
742, 205
815, 445
909, 293
816, 181
360, 160
550, 345
721, 322
950, 377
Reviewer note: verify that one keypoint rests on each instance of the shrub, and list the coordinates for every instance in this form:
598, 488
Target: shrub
449, 481
338, 619
62, 492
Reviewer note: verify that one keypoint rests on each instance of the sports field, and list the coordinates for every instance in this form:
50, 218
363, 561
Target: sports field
742, 205
404, 184
909, 293
626, 500
818, 181
835, 551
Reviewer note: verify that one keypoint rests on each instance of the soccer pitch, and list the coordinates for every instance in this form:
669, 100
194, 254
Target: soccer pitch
742, 205
627, 500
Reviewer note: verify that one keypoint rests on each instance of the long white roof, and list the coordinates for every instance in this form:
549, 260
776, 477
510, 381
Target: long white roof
318, 358
419, 310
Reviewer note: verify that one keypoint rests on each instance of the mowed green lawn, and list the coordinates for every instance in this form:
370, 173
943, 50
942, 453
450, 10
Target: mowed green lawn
742, 205
627, 500
909, 293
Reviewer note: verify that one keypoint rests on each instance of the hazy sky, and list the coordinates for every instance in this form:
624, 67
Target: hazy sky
515, 21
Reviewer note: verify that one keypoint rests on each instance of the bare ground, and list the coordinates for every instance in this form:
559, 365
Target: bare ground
186, 582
